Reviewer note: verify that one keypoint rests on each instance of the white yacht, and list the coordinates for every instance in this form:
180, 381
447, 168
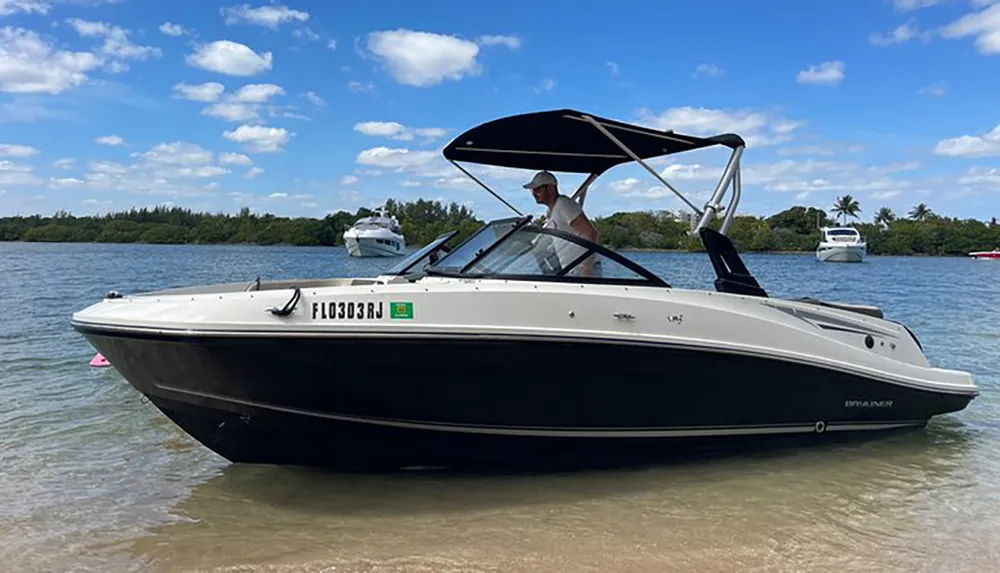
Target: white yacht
375, 236
841, 245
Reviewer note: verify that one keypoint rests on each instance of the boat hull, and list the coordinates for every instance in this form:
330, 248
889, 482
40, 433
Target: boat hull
361, 401
841, 254
372, 247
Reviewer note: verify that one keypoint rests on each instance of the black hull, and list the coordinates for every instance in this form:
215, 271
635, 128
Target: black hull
430, 401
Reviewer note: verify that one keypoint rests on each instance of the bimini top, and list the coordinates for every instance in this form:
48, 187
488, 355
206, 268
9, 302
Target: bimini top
570, 141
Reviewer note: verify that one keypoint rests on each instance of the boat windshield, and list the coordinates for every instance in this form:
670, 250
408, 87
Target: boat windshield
476, 244
534, 253
428, 254
842, 232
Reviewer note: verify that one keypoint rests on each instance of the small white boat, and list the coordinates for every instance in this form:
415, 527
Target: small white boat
841, 245
375, 236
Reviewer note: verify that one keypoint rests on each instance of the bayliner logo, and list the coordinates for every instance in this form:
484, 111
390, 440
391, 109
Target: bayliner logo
868, 404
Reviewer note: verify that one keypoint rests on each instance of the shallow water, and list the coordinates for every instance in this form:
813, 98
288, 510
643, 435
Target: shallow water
95, 479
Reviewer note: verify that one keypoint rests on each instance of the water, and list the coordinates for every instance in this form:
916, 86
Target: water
92, 478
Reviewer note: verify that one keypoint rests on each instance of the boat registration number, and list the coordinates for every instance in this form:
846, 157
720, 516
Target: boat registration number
360, 310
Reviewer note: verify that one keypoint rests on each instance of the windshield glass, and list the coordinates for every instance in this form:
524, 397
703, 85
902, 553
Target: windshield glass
457, 259
533, 252
848, 232
410, 263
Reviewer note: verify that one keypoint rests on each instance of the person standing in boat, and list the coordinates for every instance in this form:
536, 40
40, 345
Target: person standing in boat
565, 214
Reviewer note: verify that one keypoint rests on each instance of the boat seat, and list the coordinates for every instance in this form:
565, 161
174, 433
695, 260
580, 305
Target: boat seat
732, 276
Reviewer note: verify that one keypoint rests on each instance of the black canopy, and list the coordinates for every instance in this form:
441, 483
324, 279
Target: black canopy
563, 140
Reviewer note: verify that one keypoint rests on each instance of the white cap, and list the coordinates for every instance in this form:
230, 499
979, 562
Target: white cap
540, 178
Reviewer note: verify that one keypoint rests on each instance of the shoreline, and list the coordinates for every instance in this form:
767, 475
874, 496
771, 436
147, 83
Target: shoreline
416, 247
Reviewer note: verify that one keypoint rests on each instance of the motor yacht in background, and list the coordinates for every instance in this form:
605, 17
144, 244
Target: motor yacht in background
841, 245
376, 236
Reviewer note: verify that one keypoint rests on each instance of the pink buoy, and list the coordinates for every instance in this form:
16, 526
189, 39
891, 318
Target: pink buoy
99, 361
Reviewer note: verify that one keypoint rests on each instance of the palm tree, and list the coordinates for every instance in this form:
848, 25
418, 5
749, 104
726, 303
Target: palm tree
920, 212
884, 216
846, 206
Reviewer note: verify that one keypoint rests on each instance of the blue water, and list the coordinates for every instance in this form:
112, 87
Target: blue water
93, 478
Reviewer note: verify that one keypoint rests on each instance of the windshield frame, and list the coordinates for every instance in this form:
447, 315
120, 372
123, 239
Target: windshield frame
421, 254
590, 248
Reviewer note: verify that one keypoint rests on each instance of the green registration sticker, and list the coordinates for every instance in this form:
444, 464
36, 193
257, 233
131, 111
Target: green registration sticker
401, 310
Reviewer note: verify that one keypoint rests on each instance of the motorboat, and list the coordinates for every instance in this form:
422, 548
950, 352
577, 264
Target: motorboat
841, 245
986, 255
379, 235
498, 351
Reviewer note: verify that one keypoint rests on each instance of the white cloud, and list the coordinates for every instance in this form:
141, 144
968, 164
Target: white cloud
11, 7
234, 159
986, 145
30, 64
306, 33
270, 16
332, 44
112, 140
827, 73
244, 105
910, 5
65, 163
257, 93
710, 70
116, 42
348, 180
512, 42
11, 166
358, 87
980, 176
899, 35
984, 25
171, 29
209, 91
314, 99
547, 84
788, 176
253, 172
278, 195
259, 138
424, 59
15, 150
612, 67
757, 128
170, 168
12, 173
64, 182
177, 153
410, 183
107, 167
231, 58
398, 131
395, 158
935, 89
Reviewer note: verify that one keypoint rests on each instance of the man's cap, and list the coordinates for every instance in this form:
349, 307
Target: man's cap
540, 178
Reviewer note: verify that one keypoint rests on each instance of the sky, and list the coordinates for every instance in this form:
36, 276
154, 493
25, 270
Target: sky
302, 108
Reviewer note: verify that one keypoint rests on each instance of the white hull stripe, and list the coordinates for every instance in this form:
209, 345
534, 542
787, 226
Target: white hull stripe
542, 432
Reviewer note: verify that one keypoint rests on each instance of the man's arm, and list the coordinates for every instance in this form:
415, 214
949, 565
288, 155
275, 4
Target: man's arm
582, 225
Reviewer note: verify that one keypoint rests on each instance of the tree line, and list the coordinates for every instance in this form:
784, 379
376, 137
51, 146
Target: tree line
919, 232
